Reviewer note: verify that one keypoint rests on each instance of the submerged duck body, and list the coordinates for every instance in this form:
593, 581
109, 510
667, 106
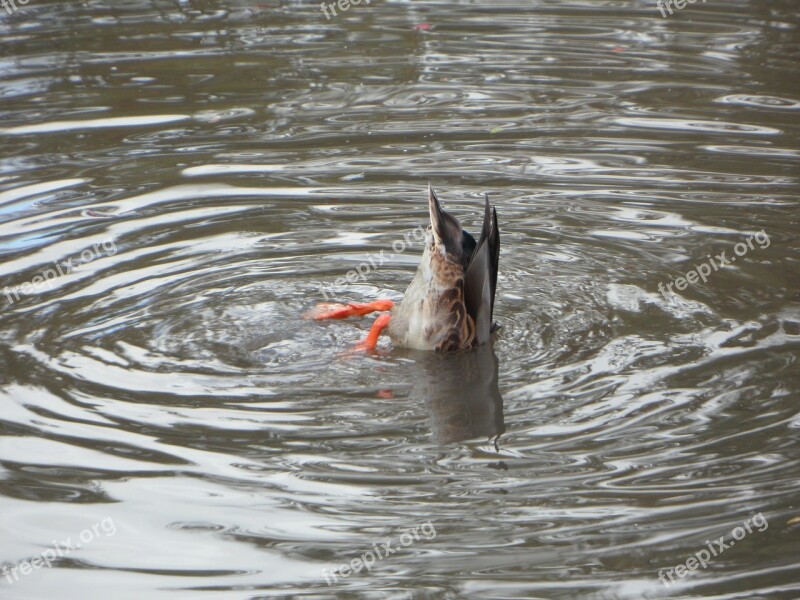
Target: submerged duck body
450, 302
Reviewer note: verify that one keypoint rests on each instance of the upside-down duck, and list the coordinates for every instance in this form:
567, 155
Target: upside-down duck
449, 304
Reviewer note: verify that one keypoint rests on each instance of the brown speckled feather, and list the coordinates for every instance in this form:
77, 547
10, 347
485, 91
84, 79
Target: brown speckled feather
448, 305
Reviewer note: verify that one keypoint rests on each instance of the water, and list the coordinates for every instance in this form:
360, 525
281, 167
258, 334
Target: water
209, 167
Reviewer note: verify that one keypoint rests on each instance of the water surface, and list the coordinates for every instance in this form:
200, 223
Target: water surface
197, 173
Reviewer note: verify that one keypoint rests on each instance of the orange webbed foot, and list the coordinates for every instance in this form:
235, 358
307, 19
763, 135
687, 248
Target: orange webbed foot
329, 310
371, 341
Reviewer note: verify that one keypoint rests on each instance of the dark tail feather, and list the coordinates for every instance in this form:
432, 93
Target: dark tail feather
494, 253
480, 279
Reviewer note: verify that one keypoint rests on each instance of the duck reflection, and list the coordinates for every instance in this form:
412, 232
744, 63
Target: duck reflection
461, 393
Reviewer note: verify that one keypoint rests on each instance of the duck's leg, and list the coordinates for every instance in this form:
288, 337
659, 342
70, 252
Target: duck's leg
371, 341
342, 311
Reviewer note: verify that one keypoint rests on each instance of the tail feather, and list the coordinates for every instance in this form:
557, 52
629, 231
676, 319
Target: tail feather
480, 279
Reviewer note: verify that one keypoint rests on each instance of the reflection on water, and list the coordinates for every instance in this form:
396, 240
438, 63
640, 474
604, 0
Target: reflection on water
241, 156
461, 393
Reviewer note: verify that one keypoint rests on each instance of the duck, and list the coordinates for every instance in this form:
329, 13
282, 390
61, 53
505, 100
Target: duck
449, 304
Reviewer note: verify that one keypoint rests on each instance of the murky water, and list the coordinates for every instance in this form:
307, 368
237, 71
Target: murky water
182, 180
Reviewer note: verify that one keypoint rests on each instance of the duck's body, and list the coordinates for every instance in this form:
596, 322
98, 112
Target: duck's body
432, 315
449, 304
